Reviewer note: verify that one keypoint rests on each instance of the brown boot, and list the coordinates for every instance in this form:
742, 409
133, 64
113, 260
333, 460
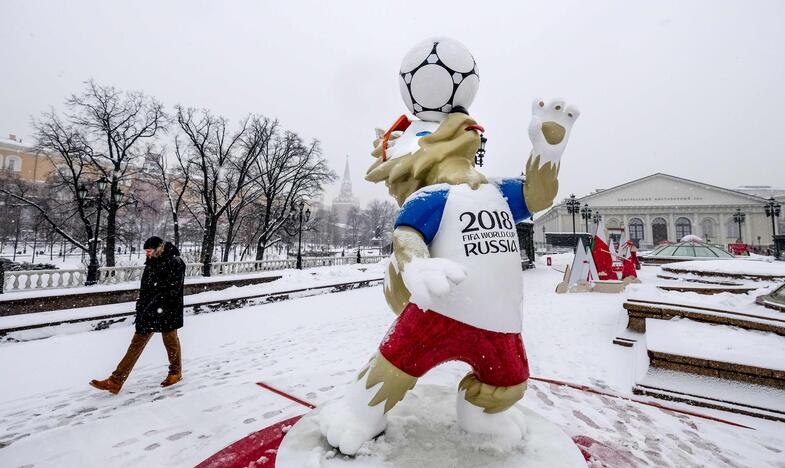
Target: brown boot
107, 384
171, 379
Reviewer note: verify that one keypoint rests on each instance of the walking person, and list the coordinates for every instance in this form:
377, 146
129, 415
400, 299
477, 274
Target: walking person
158, 310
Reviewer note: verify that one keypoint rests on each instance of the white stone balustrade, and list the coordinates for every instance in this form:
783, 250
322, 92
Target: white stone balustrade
43, 279
72, 278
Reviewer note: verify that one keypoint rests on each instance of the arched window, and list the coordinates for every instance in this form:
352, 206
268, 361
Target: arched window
683, 228
659, 230
13, 164
707, 226
636, 230
612, 223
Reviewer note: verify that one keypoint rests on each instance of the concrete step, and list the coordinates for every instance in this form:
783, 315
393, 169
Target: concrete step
715, 366
759, 318
716, 351
711, 392
708, 289
753, 272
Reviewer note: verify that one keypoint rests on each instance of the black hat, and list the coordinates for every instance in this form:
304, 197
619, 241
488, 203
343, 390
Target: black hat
153, 242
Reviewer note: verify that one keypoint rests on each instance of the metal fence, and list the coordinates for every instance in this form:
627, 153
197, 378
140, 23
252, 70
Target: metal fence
72, 278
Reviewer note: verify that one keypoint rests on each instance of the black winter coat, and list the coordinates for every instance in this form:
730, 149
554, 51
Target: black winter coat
160, 304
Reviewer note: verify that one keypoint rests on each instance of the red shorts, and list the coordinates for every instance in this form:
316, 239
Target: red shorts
420, 340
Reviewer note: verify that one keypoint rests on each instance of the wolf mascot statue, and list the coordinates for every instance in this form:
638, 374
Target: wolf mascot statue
455, 278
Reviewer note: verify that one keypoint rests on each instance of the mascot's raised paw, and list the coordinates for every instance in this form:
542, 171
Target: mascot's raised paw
379, 144
549, 130
429, 278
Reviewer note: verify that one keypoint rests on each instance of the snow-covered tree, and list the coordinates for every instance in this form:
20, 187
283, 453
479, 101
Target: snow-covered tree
290, 170
224, 165
116, 127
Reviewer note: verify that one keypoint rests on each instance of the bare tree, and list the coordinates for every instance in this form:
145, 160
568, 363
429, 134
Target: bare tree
322, 227
289, 170
355, 220
329, 227
224, 165
70, 153
379, 218
237, 213
174, 182
116, 125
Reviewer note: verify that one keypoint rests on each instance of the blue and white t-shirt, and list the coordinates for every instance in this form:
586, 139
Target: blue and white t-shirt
475, 228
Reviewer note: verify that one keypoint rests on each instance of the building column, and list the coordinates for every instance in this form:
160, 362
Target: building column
695, 224
748, 239
723, 230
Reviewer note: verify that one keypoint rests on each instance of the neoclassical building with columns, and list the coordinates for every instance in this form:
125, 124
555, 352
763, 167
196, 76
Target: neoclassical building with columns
663, 207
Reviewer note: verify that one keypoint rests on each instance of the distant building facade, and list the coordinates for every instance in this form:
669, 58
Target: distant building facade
22, 160
662, 207
346, 199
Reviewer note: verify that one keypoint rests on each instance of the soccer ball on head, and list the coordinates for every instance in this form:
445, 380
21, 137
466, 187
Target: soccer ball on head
438, 75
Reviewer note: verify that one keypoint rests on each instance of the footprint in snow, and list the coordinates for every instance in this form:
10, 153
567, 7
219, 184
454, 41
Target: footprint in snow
585, 419
178, 436
621, 428
125, 443
684, 447
544, 398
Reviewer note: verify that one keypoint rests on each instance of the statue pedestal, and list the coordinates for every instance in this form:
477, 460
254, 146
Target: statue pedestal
422, 432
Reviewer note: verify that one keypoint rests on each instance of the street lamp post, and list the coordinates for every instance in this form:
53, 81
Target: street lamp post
586, 215
597, 218
773, 211
738, 218
573, 207
301, 217
92, 267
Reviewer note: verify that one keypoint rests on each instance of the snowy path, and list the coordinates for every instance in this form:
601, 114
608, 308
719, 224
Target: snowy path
311, 347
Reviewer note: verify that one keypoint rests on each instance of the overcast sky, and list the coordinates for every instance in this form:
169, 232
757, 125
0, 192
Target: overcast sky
695, 89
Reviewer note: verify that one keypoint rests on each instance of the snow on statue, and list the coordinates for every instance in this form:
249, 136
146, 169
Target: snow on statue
455, 277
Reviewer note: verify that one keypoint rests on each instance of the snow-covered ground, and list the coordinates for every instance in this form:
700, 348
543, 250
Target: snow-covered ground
313, 346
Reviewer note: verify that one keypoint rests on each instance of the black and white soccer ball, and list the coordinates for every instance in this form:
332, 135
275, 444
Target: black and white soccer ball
438, 75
